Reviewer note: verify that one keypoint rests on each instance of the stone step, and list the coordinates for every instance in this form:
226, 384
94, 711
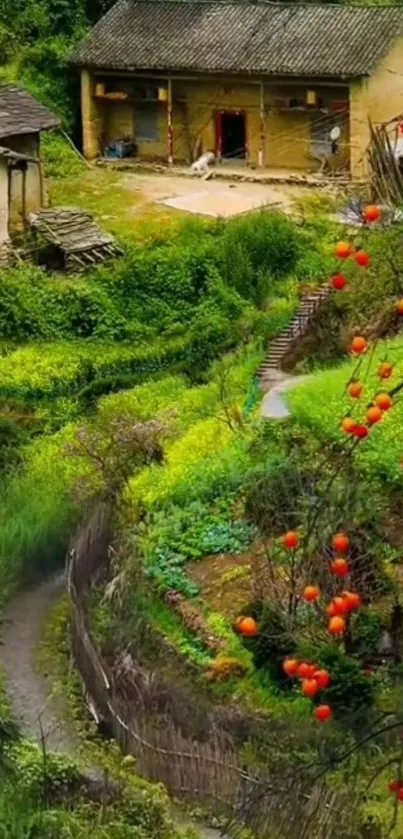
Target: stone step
297, 328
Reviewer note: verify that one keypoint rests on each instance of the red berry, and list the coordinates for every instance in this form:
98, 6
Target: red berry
291, 539
323, 713
362, 259
361, 431
341, 543
339, 567
322, 677
338, 282
371, 213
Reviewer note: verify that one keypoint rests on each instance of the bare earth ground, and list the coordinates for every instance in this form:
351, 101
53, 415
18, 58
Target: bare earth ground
213, 198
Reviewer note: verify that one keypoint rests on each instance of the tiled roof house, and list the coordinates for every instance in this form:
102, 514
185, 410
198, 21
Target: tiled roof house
264, 83
22, 118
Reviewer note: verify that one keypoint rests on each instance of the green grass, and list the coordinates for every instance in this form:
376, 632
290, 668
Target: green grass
319, 404
43, 370
127, 213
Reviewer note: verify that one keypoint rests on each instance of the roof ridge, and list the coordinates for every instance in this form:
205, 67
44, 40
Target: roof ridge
294, 4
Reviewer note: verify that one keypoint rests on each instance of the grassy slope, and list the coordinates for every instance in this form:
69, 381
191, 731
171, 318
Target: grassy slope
320, 403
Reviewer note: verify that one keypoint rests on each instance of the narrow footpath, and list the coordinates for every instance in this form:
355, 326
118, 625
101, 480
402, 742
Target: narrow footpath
29, 692
37, 713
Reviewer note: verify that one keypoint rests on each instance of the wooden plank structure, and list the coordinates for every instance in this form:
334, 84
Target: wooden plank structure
386, 174
74, 233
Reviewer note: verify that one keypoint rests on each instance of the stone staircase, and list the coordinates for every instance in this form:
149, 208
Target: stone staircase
271, 366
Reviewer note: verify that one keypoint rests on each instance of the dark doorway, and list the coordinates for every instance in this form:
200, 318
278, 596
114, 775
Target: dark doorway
233, 135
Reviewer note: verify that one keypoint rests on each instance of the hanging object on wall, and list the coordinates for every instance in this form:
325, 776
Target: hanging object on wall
311, 98
162, 94
100, 89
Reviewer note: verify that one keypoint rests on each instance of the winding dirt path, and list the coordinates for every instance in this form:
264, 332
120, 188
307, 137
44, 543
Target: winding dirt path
28, 690
273, 405
39, 716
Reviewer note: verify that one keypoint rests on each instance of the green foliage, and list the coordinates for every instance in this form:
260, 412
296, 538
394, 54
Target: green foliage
257, 250
60, 160
351, 693
273, 643
36, 512
182, 534
58, 369
320, 403
48, 778
366, 633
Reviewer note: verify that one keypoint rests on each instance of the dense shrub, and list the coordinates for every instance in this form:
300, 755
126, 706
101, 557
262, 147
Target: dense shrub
53, 370
257, 250
366, 633
351, 692
168, 286
273, 643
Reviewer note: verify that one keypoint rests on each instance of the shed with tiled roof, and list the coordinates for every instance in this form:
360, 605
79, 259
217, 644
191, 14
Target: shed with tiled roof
22, 118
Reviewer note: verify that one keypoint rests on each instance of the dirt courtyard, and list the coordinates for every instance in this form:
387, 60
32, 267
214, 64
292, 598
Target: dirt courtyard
212, 197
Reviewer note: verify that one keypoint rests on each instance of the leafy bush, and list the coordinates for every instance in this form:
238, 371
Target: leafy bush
53, 777
36, 513
59, 158
351, 692
255, 251
180, 534
366, 633
273, 643
49, 370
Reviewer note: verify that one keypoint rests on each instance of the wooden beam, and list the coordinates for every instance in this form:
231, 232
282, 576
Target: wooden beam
262, 139
169, 124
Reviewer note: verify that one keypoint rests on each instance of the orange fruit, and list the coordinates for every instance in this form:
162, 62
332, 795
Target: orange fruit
374, 414
352, 599
322, 677
399, 306
290, 539
362, 259
385, 370
311, 593
359, 345
349, 425
343, 250
338, 282
339, 567
290, 666
371, 213
361, 431
340, 606
337, 625
341, 543
322, 713
248, 627
355, 390
304, 670
383, 401
310, 687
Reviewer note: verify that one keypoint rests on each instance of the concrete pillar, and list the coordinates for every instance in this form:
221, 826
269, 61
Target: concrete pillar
3, 201
359, 130
89, 114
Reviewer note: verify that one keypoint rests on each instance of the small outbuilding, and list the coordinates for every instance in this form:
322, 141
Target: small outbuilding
22, 118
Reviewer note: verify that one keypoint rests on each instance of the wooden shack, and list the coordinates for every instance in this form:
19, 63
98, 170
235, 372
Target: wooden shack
22, 118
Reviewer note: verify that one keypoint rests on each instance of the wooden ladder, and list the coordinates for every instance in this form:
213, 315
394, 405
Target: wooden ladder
296, 329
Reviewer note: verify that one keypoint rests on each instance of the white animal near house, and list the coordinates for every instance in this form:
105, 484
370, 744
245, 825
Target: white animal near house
201, 165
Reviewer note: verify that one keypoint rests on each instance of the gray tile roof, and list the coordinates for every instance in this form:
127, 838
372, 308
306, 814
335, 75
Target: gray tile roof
264, 38
20, 113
